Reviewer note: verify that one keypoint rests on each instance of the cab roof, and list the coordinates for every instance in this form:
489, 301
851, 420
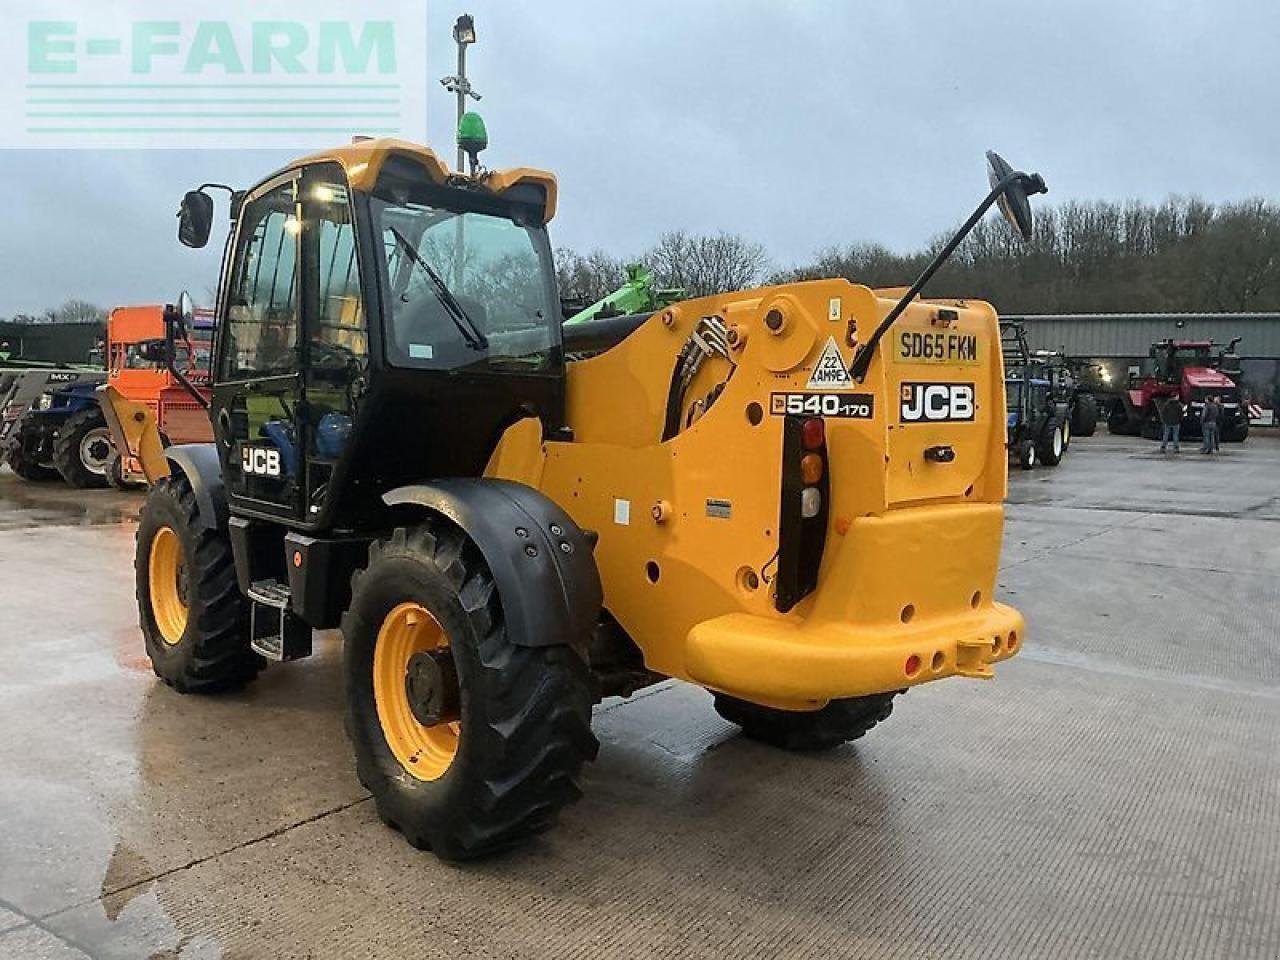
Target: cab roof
362, 161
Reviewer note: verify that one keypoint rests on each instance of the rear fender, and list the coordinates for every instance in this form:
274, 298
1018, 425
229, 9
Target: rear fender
199, 463
541, 560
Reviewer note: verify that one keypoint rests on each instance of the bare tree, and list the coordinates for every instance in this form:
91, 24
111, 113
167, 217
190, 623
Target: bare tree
1098, 256
705, 264
79, 311
588, 278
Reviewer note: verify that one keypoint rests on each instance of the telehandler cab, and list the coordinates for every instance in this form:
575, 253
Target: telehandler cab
739, 491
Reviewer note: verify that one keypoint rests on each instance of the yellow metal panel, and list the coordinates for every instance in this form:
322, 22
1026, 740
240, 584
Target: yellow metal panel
134, 432
688, 528
362, 161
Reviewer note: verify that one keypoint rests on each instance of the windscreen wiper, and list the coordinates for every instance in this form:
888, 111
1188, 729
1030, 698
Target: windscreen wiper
472, 334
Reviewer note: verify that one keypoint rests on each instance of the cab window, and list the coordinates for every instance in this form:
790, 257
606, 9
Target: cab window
262, 316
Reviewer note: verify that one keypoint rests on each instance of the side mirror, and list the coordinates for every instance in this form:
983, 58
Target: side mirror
1013, 200
195, 219
186, 309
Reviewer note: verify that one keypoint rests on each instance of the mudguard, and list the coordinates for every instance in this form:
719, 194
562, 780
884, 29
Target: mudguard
540, 559
199, 462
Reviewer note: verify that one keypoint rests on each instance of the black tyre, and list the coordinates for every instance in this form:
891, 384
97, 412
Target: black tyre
1053, 443
26, 467
1118, 422
115, 473
1027, 454
1236, 433
838, 722
1084, 416
82, 449
194, 619
469, 743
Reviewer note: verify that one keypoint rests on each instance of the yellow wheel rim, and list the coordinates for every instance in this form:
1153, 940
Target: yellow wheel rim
167, 580
424, 751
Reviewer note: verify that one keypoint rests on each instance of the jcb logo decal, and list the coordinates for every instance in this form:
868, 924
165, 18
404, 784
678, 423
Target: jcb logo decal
260, 461
937, 402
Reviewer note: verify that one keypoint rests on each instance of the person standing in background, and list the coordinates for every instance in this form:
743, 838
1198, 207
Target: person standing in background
1170, 423
1209, 418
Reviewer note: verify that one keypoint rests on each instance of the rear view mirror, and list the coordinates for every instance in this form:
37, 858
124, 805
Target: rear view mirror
186, 309
195, 219
1013, 200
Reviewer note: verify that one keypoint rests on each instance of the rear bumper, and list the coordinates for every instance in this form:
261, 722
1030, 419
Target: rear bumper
786, 664
904, 598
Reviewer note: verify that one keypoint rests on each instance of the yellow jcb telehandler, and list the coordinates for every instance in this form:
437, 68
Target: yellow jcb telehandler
790, 496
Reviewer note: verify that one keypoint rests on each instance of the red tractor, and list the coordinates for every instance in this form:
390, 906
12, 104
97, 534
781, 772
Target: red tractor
1192, 372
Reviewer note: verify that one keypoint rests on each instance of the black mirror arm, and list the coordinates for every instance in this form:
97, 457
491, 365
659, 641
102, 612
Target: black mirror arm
1033, 183
172, 322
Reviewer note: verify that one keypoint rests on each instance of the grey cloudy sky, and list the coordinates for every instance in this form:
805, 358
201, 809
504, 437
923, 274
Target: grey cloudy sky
799, 124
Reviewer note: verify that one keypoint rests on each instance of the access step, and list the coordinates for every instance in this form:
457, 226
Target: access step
276, 632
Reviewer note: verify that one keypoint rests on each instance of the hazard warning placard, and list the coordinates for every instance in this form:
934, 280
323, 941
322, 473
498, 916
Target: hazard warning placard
830, 373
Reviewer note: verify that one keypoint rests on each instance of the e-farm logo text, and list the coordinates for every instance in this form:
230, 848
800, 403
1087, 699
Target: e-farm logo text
218, 75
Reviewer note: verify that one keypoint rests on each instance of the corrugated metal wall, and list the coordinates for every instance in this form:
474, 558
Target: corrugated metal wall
1131, 335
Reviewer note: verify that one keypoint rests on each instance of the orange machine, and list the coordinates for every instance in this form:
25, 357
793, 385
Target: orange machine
179, 417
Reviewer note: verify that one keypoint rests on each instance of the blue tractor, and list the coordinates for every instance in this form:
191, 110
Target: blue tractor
1039, 417
58, 432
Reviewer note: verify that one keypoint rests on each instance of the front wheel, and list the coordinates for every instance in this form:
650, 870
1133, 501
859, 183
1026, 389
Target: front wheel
838, 722
1027, 454
1053, 444
195, 621
116, 475
469, 743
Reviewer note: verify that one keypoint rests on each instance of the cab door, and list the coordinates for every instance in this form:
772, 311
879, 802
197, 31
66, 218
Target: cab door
335, 347
258, 393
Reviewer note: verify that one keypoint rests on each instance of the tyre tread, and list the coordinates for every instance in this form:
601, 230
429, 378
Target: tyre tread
532, 705
840, 721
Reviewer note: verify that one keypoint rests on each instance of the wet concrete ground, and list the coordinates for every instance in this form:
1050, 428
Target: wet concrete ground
1115, 792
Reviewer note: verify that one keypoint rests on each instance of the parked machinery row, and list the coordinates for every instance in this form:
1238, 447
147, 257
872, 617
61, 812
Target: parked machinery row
51, 420
1046, 403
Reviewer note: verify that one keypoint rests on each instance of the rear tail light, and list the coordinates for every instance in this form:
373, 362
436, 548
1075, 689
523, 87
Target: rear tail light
802, 527
813, 434
810, 502
811, 468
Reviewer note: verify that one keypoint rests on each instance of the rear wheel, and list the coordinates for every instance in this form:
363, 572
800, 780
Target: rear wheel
468, 743
1236, 433
82, 449
1119, 423
25, 466
838, 722
1084, 416
195, 622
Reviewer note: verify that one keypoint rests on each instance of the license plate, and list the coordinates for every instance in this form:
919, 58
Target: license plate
936, 346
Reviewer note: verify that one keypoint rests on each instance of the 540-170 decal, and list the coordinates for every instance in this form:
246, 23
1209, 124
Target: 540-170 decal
850, 406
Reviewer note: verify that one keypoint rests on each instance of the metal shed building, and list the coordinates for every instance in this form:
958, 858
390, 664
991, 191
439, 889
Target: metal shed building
1127, 335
